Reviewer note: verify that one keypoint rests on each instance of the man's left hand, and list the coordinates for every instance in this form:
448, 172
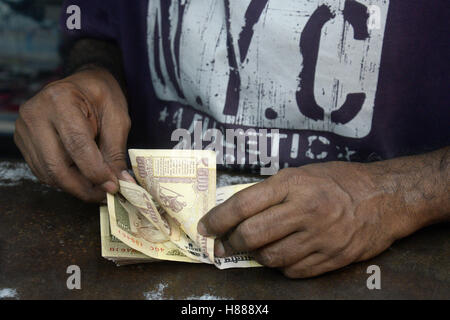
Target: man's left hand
311, 220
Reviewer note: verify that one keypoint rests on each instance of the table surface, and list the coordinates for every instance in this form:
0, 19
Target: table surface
43, 231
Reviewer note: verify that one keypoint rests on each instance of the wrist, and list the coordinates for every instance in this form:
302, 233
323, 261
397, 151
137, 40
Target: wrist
415, 191
387, 201
88, 53
402, 205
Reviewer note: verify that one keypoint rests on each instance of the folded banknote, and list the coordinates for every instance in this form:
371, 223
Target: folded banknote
157, 218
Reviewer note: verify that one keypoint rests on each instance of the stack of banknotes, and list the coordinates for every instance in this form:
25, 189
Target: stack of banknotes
157, 218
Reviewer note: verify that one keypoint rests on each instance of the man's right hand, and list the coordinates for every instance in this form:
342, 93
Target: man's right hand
73, 134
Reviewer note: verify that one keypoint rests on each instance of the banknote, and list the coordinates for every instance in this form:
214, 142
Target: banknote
240, 260
115, 250
157, 219
224, 193
118, 252
137, 197
183, 182
140, 230
129, 226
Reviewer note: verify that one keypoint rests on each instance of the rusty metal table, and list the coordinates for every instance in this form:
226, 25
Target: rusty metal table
43, 231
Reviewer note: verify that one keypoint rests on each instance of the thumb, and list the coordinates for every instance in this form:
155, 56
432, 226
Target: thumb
113, 142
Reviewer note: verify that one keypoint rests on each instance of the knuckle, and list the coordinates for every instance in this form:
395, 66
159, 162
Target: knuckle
48, 168
246, 235
26, 114
75, 142
56, 90
268, 258
213, 222
286, 179
287, 172
241, 205
294, 179
55, 96
115, 156
51, 173
60, 95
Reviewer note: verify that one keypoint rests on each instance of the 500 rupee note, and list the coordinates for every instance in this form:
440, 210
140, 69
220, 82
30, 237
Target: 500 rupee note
115, 250
138, 198
158, 221
183, 182
240, 260
130, 227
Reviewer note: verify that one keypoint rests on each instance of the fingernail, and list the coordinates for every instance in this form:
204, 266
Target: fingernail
127, 177
109, 187
219, 249
202, 229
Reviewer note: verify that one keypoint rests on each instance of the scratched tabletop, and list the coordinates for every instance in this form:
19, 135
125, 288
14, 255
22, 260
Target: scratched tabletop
43, 231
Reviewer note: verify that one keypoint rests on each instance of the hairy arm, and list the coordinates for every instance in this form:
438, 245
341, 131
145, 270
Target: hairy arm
420, 186
321, 217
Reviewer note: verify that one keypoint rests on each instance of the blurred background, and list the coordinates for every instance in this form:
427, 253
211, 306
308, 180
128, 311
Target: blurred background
29, 58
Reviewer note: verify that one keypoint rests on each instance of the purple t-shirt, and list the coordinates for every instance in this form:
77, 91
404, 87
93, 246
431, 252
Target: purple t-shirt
341, 80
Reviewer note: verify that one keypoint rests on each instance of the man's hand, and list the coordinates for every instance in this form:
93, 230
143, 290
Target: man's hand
321, 217
73, 134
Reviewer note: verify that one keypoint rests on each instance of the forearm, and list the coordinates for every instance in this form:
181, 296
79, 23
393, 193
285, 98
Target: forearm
420, 189
86, 53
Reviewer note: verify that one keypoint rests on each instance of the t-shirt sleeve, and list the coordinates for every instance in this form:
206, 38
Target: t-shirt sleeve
98, 25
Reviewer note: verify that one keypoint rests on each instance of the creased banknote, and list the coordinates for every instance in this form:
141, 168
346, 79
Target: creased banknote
158, 219
183, 182
242, 260
115, 250
130, 227
138, 198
